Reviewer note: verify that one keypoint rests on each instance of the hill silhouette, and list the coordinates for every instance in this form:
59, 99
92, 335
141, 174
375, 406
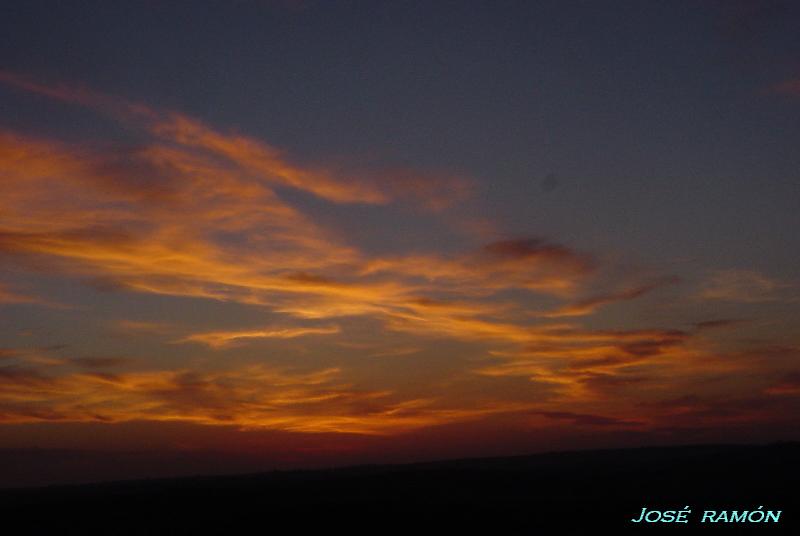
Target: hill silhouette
576, 492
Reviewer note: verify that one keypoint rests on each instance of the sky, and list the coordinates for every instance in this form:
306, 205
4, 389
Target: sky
249, 235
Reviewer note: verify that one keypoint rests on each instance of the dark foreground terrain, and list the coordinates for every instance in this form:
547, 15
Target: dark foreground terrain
558, 493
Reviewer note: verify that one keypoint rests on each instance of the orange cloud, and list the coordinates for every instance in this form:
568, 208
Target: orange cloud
581, 364
219, 339
258, 160
75, 95
197, 212
194, 213
251, 397
531, 264
592, 304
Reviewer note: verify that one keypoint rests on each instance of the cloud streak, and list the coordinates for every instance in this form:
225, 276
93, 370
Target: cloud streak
743, 286
195, 211
252, 397
220, 339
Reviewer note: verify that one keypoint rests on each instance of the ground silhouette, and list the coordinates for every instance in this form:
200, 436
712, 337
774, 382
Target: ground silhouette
579, 492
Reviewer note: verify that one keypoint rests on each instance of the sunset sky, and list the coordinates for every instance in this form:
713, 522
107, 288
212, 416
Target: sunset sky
309, 233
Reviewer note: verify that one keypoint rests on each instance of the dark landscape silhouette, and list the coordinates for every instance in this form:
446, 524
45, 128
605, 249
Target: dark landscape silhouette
575, 492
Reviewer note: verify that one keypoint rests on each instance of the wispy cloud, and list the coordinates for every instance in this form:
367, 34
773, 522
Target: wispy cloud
590, 305
7, 296
219, 339
588, 419
197, 211
249, 397
249, 160
140, 326
743, 286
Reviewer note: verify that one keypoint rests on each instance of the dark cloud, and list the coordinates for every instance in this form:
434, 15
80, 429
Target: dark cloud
671, 403
719, 323
99, 362
22, 376
527, 248
588, 419
604, 382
